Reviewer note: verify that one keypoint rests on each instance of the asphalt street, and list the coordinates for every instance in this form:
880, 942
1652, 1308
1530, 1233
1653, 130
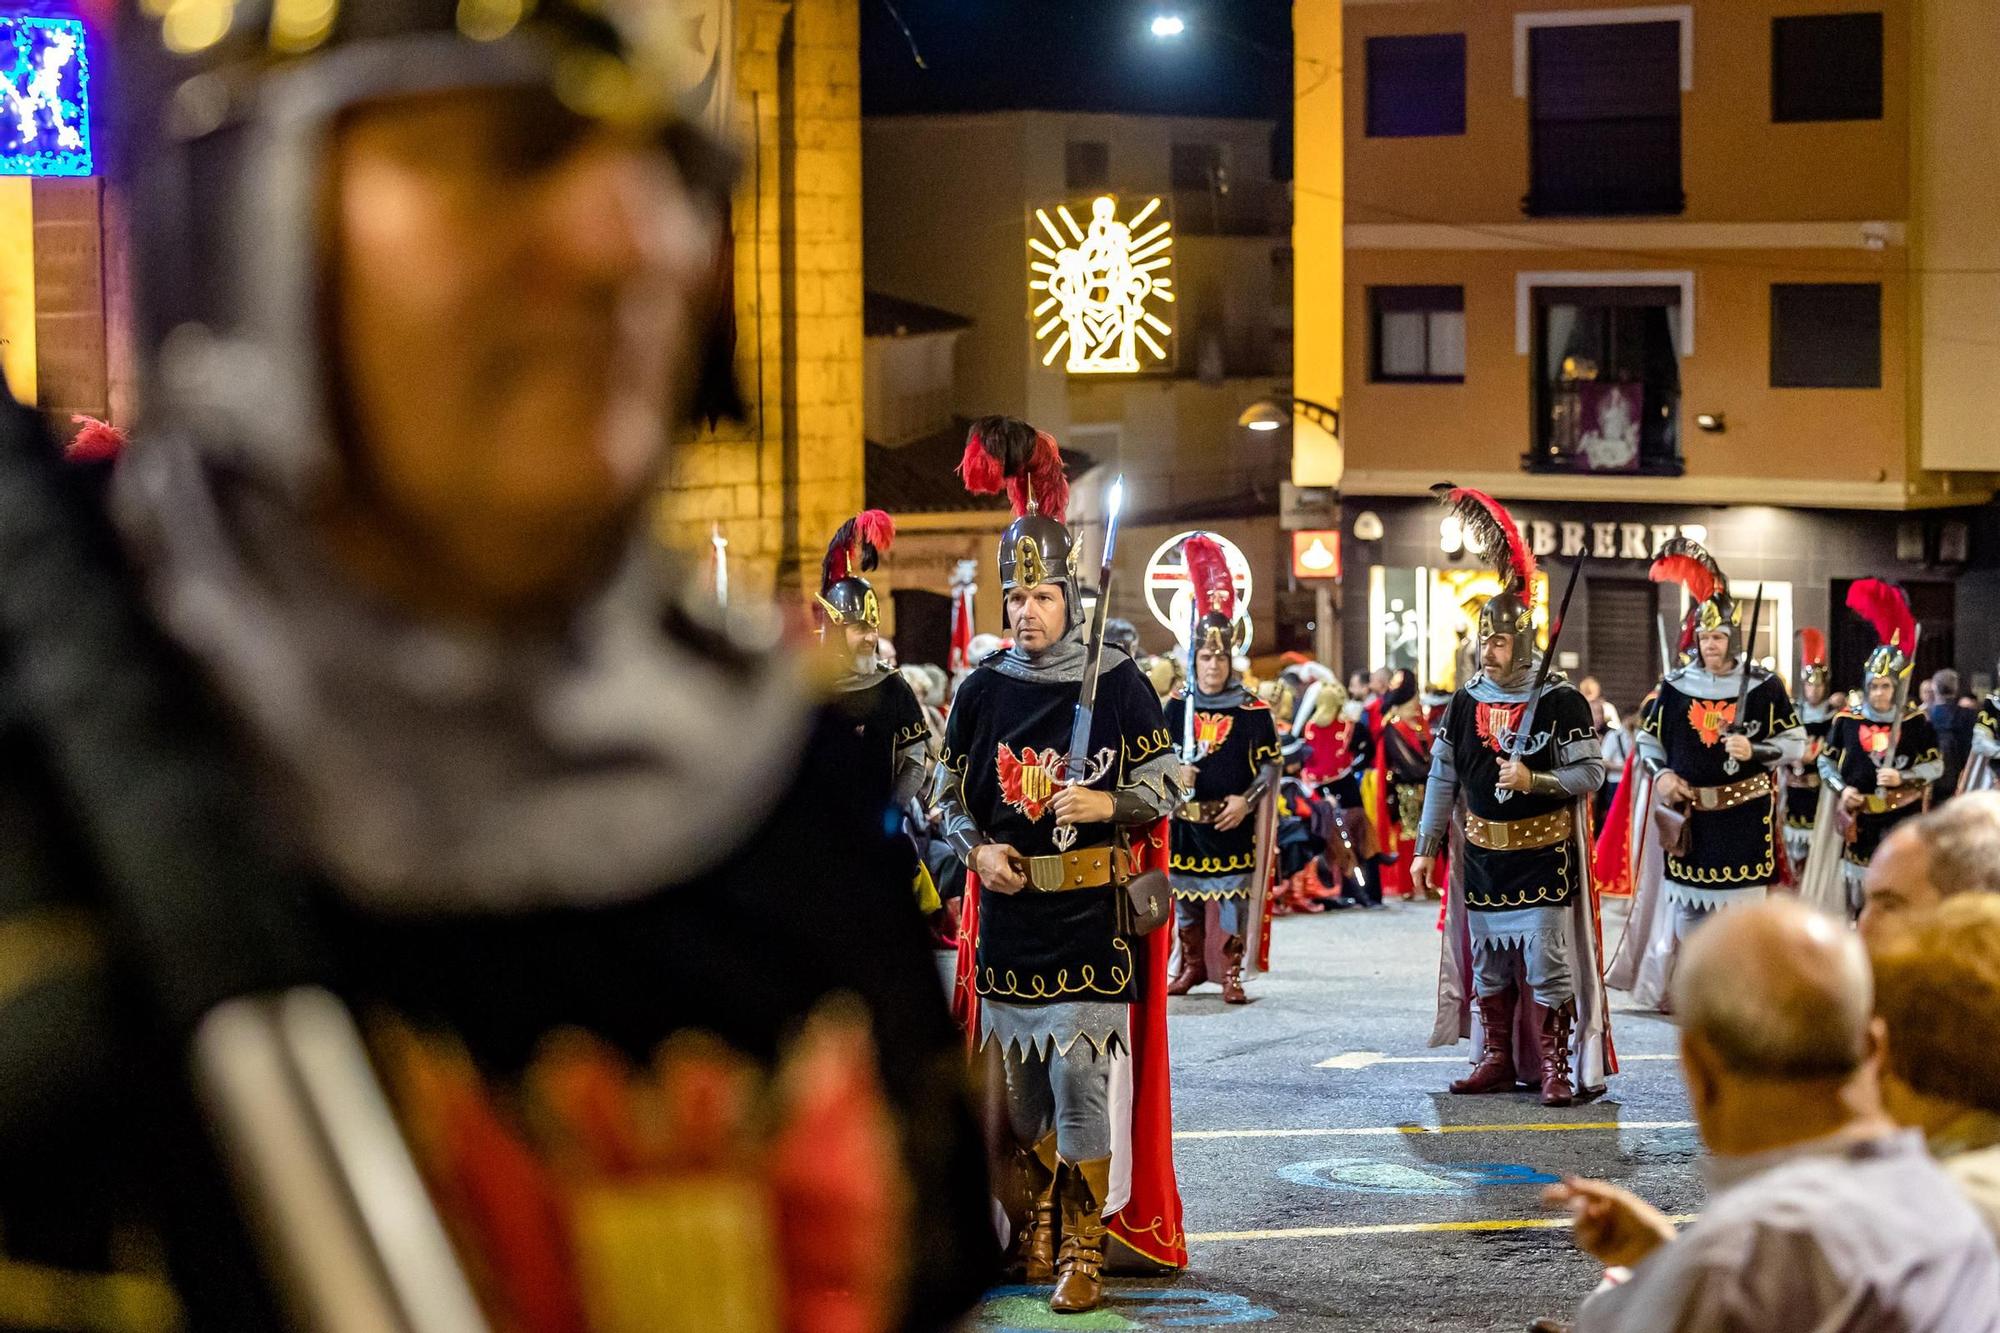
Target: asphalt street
1330, 1183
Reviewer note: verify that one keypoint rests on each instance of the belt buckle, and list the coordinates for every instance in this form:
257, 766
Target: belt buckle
1497, 833
1708, 798
1046, 873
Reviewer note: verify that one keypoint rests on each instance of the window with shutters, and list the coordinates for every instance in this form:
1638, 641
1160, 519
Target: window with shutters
1826, 335
1196, 166
1418, 334
1826, 67
1416, 85
1605, 111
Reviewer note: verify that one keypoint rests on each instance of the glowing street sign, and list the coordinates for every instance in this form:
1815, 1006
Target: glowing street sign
1098, 289
1170, 597
44, 97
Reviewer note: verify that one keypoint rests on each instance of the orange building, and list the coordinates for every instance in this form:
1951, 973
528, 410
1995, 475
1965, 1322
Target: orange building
1724, 266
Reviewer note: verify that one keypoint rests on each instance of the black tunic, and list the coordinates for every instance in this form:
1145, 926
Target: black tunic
1801, 800
1727, 849
1478, 733
1854, 746
1234, 745
886, 716
1005, 742
132, 814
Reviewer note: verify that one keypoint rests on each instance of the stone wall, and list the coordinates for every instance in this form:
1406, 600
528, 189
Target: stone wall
779, 484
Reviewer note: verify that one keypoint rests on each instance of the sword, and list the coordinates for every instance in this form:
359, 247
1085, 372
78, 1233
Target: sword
1730, 765
1522, 732
1076, 769
1666, 651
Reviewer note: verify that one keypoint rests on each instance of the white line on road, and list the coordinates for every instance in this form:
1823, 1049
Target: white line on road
1368, 1059
1383, 1131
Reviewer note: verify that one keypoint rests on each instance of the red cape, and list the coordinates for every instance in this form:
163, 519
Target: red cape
1611, 858
1150, 1221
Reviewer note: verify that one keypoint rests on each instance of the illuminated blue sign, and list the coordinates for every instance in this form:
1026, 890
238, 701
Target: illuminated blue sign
44, 98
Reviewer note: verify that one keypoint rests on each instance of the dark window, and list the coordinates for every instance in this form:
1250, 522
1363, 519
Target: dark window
1196, 166
1419, 334
1087, 165
1826, 67
1826, 335
1416, 85
1606, 106
1607, 386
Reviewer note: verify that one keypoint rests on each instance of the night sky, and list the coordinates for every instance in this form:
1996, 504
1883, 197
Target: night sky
1077, 55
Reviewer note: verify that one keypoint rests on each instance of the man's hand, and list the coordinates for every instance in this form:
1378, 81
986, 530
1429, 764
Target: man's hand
1737, 747
1853, 799
1082, 805
1188, 774
999, 867
1234, 811
1514, 776
1888, 777
1614, 1226
1424, 870
1671, 786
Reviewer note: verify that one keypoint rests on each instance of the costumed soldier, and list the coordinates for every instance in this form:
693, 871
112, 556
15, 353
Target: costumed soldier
1391, 749
1880, 759
1514, 765
1816, 713
1052, 976
1710, 742
1229, 760
368, 704
882, 706
1982, 766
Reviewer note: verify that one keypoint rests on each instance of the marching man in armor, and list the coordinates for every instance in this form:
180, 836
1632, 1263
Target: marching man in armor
1053, 970
1802, 785
1711, 742
1515, 762
1229, 760
1982, 767
1880, 759
885, 711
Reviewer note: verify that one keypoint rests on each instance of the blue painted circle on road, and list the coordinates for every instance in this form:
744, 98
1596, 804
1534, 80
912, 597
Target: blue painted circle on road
1019, 1309
1367, 1175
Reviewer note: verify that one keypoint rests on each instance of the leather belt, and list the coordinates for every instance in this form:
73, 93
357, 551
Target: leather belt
1732, 794
1519, 835
1199, 812
1808, 779
1882, 802
1084, 868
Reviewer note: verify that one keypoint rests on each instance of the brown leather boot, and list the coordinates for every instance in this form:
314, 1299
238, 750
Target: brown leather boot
1232, 970
1079, 1280
1553, 1026
1035, 1245
1495, 1070
1194, 958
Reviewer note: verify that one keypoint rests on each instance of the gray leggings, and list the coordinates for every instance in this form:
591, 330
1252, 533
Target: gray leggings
1229, 913
1542, 964
1070, 1094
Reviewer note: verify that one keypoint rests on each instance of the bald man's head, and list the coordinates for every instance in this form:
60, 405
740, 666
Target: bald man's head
1776, 991
1951, 850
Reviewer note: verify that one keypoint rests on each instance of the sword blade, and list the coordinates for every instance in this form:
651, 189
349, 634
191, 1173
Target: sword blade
1522, 732
1086, 699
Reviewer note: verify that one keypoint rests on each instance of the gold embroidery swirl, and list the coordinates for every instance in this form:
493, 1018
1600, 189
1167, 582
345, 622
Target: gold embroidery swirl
1121, 977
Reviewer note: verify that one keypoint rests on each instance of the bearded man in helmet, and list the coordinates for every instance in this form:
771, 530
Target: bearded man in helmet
1514, 764
369, 706
1052, 975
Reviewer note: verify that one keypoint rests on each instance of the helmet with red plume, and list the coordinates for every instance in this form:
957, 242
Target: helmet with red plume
1885, 607
1006, 453
1490, 530
1712, 610
845, 598
1812, 658
1215, 622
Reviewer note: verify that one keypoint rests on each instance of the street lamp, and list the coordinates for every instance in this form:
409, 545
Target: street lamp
1168, 25
1270, 414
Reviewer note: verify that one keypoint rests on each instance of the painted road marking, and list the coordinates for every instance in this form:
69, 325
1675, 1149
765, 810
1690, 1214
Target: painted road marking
1369, 1059
1019, 1309
1383, 1131
1399, 1228
1365, 1175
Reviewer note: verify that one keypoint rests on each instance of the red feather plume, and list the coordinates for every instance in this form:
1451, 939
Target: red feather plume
1494, 531
1812, 647
1208, 574
1008, 451
857, 546
1884, 606
1689, 564
97, 441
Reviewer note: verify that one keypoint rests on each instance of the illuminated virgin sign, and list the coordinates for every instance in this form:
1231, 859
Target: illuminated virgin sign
45, 118
1097, 289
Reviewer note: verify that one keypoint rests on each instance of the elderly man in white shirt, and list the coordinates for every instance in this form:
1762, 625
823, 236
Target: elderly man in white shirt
1823, 1216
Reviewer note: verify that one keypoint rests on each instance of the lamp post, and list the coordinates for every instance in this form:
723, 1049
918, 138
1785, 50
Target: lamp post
1269, 414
